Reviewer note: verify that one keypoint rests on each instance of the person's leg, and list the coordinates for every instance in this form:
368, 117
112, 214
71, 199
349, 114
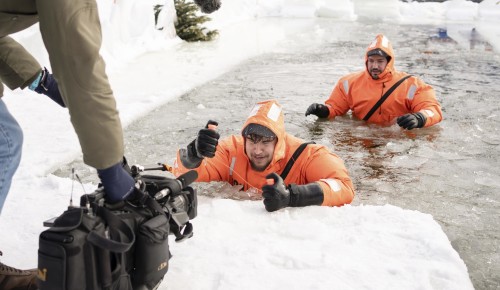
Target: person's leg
71, 32
11, 142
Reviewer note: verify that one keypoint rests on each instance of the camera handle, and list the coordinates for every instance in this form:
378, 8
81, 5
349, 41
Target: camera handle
136, 168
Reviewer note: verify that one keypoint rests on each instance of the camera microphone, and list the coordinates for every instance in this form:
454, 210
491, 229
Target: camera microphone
176, 185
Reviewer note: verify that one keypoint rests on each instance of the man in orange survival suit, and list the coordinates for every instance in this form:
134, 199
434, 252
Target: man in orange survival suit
261, 152
413, 103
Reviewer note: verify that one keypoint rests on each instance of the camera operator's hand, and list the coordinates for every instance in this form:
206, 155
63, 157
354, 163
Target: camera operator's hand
276, 196
319, 110
117, 182
47, 85
412, 121
203, 146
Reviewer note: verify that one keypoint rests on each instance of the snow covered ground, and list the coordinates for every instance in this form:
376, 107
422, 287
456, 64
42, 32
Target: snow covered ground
236, 243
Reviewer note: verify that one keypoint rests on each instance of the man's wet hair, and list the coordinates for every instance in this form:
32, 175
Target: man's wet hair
256, 138
257, 129
379, 52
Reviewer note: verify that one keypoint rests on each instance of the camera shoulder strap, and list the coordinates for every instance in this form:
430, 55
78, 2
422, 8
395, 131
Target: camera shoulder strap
295, 155
384, 97
122, 237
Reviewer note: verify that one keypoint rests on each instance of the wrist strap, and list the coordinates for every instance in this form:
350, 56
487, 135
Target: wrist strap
36, 82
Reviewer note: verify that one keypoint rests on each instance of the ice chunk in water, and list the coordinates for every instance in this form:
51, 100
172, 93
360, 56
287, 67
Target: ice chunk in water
226, 190
491, 181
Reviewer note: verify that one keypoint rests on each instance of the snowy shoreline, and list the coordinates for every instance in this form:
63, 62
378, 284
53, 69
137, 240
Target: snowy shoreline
50, 141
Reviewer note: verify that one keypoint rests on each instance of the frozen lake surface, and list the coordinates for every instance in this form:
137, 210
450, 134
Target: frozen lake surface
450, 171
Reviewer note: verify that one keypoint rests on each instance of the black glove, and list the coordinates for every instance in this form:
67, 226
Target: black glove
117, 182
412, 121
208, 6
207, 140
48, 86
319, 110
204, 145
277, 196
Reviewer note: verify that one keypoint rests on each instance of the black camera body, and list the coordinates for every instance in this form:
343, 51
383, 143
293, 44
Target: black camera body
177, 199
120, 246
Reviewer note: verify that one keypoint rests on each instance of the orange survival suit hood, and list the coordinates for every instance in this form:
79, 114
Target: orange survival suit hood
270, 115
383, 47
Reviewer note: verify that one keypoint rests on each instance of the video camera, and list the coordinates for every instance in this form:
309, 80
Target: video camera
118, 246
178, 200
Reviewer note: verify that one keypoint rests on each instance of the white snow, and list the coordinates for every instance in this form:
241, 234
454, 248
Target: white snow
237, 244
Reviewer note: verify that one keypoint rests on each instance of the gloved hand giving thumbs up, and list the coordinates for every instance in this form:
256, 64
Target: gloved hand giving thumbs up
208, 138
205, 145
277, 195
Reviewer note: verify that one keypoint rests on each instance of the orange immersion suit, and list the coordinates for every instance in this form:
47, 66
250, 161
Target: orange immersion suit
359, 92
315, 164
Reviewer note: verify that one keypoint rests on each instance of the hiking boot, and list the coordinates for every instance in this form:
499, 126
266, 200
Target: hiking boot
15, 279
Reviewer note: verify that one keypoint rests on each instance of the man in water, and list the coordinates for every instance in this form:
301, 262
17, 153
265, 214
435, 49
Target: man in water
412, 103
259, 158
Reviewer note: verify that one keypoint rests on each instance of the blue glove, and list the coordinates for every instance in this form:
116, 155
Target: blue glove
47, 85
117, 182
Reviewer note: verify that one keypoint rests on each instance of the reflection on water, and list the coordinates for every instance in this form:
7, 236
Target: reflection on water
450, 171
371, 146
464, 35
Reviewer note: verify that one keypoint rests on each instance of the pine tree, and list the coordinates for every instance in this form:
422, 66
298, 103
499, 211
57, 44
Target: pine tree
188, 23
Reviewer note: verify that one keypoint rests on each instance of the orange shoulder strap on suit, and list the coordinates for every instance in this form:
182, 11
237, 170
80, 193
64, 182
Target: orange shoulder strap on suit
384, 97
